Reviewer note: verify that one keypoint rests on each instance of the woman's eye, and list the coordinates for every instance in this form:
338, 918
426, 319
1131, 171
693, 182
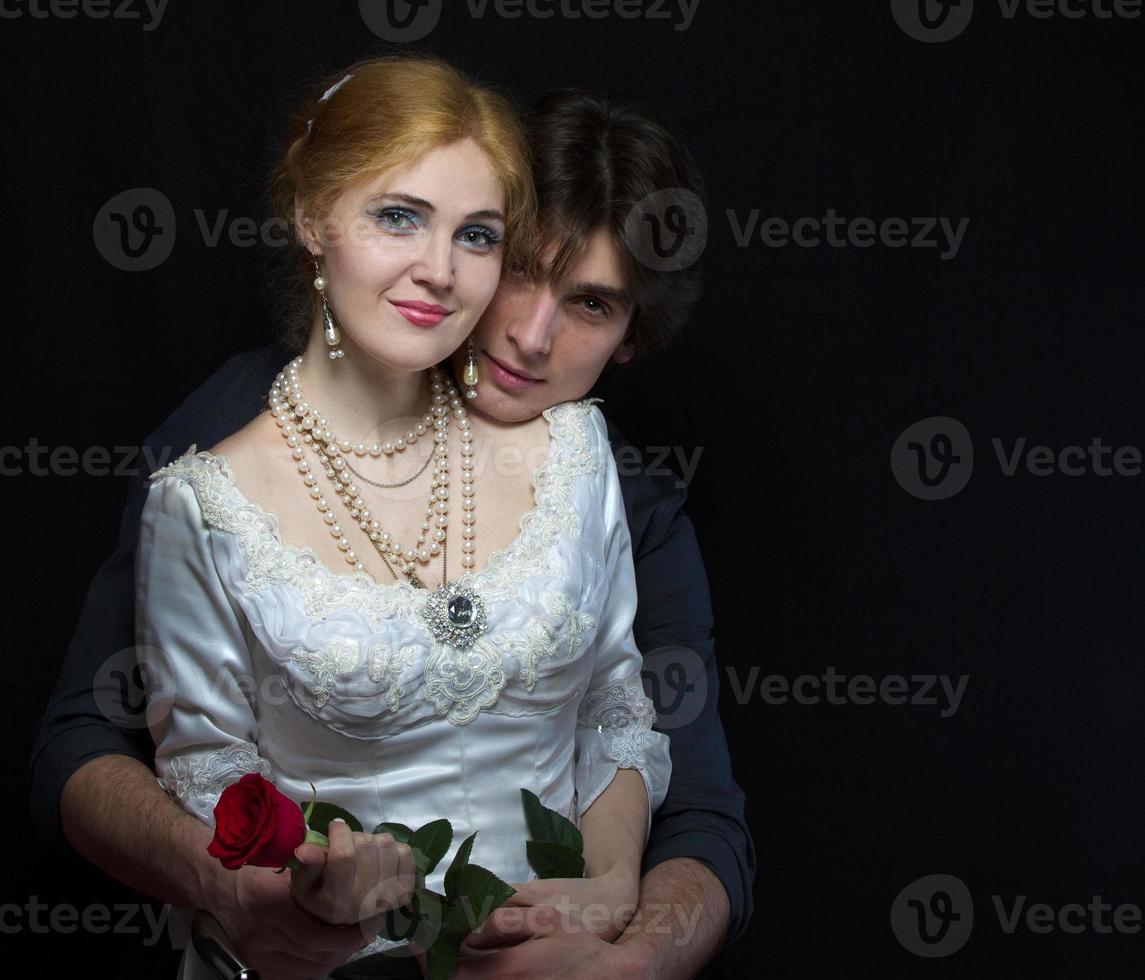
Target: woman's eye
396, 219
479, 238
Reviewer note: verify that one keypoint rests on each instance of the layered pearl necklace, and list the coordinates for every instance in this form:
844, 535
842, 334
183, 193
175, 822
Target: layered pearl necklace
302, 425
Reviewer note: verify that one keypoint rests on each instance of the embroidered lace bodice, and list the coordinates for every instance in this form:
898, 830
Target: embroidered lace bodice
260, 658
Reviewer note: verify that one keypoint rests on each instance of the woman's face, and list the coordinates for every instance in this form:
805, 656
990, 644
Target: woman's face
412, 257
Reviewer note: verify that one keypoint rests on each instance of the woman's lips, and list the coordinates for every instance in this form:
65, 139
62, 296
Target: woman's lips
421, 314
506, 377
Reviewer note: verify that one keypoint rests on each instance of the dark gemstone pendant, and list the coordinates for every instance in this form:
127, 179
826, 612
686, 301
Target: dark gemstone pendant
460, 611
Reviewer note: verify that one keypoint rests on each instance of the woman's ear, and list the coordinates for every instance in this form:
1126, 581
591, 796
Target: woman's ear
304, 229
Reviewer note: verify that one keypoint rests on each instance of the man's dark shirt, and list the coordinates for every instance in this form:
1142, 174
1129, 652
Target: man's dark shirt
703, 814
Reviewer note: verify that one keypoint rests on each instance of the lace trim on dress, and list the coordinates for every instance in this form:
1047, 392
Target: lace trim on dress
622, 713
338, 657
198, 779
270, 561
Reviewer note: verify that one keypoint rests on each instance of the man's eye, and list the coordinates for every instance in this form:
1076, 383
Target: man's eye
595, 306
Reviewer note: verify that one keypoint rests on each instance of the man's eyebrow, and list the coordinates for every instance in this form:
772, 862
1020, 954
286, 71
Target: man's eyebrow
426, 206
621, 297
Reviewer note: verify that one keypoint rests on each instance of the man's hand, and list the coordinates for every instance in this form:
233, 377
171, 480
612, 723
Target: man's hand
287, 925
274, 935
603, 904
539, 941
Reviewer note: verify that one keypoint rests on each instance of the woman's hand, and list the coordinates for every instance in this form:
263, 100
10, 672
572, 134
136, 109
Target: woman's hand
604, 904
360, 877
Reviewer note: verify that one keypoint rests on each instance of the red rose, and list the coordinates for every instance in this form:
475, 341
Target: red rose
255, 824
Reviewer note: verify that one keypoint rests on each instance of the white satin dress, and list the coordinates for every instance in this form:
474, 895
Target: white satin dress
260, 658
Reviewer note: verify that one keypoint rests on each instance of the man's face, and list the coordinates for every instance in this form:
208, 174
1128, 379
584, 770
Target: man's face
540, 343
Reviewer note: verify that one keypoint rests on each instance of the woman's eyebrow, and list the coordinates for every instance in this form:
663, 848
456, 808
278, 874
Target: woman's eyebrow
425, 205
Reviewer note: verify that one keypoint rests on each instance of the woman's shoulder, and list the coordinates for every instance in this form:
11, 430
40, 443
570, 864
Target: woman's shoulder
579, 426
210, 474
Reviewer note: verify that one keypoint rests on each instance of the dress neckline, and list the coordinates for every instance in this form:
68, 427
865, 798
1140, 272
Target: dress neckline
269, 524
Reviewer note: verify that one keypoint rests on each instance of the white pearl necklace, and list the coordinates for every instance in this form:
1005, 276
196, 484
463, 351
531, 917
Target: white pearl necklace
302, 425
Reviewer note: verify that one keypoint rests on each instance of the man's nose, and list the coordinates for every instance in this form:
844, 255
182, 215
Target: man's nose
533, 331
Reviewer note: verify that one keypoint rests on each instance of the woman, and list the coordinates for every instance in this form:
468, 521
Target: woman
289, 607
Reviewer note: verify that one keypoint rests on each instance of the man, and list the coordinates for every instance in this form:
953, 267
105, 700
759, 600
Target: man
92, 778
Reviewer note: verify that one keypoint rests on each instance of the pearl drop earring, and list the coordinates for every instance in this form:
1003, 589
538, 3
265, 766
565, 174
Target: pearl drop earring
333, 335
469, 374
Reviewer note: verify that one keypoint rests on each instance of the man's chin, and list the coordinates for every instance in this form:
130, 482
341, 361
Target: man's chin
505, 408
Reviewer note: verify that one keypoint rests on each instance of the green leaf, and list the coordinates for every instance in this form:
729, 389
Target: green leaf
441, 958
398, 831
430, 844
323, 813
479, 892
546, 824
460, 860
551, 860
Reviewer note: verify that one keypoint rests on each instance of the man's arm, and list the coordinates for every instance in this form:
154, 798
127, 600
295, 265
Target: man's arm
679, 923
702, 817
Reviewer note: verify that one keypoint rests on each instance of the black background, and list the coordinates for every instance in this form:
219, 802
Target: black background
800, 370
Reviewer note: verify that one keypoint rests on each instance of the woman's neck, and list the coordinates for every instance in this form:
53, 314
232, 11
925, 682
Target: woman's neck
362, 401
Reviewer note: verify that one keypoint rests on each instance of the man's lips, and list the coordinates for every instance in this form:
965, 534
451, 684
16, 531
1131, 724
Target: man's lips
422, 314
510, 376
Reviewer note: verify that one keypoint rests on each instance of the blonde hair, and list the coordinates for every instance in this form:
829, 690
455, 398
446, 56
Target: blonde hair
388, 113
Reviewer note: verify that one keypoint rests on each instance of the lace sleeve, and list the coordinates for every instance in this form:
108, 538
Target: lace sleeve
195, 658
615, 718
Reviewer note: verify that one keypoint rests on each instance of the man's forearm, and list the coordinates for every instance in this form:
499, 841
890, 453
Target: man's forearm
118, 817
679, 924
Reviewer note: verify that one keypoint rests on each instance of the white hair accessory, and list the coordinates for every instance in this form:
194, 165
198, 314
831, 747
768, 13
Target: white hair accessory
326, 95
